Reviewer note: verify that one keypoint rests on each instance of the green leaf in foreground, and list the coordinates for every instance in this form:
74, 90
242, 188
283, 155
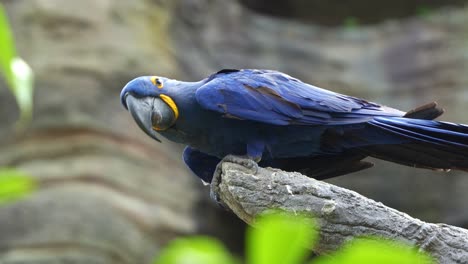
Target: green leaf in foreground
16, 71
280, 238
195, 250
351, 23
423, 11
14, 185
371, 251
7, 50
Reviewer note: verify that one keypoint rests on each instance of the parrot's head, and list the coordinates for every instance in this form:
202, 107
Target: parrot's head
147, 99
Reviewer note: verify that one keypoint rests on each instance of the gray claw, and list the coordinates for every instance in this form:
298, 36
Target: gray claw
243, 161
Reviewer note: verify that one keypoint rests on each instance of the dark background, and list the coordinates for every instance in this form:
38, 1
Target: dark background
109, 194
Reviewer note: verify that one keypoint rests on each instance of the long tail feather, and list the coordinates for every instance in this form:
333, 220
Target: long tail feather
418, 143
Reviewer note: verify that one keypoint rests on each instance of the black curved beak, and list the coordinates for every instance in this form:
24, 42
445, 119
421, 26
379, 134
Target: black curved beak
141, 110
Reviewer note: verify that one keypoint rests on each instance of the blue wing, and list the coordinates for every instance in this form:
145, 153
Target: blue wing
276, 98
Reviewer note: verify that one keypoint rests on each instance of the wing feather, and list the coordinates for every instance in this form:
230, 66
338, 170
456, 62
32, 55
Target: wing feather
276, 98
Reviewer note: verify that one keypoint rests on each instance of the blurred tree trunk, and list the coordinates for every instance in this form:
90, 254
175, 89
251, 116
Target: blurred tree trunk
108, 194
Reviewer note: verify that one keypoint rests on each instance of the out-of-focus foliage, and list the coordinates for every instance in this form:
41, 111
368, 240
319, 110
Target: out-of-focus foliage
17, 73
281, 238
195, 250
14, 185
19, 77
371, 251
424, 11
351, 23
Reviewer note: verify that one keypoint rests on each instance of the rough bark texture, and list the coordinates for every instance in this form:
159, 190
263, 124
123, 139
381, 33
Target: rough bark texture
342, 214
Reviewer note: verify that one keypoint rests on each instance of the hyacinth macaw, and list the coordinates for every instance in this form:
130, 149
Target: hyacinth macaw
282, 122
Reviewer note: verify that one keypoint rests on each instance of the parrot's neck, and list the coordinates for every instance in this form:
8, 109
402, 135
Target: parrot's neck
183, 95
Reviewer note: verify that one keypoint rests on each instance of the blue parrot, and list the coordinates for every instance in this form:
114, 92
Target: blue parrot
282, 122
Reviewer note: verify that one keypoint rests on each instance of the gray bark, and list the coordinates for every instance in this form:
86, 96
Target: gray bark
342, 214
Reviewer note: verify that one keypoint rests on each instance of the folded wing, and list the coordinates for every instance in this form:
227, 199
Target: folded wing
276, 98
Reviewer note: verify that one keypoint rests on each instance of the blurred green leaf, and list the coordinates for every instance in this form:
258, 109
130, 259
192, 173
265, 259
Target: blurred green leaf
14, 185
351, 23
423, 11
280, 238
17, 73
371, 251
195, 250
7, 51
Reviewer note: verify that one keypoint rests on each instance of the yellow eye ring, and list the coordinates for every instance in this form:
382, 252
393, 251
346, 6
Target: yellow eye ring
157, 82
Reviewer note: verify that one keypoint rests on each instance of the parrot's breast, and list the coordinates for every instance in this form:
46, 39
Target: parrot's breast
220, 136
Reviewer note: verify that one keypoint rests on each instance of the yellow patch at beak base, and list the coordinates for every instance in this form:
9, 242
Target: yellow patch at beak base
168, 100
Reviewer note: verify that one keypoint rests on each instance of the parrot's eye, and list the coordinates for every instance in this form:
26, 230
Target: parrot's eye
157, 82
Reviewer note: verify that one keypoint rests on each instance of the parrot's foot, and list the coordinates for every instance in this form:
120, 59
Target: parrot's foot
254, 159
241, 160
255, 150
245, 161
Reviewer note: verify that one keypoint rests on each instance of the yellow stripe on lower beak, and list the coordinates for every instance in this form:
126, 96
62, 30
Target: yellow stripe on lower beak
171, 104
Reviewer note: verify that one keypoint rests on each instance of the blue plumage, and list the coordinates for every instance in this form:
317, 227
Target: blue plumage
276, 98
286, 123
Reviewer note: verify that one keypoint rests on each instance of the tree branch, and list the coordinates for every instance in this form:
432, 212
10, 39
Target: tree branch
342, 214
